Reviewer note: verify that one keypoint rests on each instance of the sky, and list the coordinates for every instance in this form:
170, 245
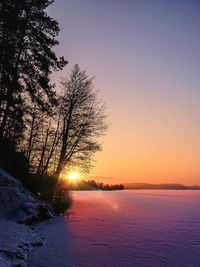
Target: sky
145, 56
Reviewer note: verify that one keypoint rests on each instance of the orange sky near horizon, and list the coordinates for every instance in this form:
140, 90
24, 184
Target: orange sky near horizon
145, 56
156, 156
154, 139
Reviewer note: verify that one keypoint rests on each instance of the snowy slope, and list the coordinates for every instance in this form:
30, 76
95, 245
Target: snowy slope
18, 206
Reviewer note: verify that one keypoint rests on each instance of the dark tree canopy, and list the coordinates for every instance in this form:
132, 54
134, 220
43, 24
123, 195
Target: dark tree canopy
27, 38
42, 132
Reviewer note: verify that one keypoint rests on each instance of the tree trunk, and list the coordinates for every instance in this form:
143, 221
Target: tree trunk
55, 142
4, 120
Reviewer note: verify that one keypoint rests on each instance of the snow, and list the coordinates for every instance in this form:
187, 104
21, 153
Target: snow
102, 229
18, 206
16, 242
124, 229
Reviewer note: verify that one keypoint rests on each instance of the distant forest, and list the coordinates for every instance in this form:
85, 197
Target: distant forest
160, 186
93, 185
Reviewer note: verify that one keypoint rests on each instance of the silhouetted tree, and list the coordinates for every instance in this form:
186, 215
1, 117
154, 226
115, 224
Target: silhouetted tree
27, 38
93, 185
40, 131
82, 120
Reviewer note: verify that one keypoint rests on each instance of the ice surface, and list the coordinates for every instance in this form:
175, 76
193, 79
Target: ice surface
124, 229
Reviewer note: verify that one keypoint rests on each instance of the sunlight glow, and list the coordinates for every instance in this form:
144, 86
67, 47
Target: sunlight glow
73, 176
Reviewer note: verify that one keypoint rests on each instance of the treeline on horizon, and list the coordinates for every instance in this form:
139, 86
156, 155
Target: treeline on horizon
160, 186
93, 185
43, 132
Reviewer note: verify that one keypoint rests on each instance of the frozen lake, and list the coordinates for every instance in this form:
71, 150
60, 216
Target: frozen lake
125, 229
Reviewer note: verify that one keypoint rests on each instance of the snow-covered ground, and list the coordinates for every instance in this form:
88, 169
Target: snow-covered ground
17, 207
103, 229
123, 229
16, 243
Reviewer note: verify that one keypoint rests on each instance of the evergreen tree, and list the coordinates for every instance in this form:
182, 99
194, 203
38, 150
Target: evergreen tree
27, 59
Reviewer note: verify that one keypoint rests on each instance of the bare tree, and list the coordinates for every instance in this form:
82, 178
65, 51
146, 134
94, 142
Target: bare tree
83, 120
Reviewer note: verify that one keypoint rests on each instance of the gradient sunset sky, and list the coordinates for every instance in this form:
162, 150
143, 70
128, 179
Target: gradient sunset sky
145, 55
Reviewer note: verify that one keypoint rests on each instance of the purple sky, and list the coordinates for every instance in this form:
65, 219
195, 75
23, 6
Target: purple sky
146, 59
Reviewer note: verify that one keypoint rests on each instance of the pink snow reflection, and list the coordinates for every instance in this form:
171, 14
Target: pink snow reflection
136, 228
138, 204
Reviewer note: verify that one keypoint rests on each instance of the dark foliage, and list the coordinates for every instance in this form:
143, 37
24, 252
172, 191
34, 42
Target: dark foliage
14, 161
62, 199
27, 38
43, 133
93, 185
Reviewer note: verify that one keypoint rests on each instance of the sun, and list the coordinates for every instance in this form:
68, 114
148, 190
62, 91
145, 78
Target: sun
73, 176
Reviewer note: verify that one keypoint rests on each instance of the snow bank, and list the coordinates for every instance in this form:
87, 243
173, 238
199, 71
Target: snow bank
18, 206
16, 242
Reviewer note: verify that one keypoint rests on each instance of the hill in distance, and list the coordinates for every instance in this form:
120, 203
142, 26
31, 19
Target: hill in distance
160, 186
